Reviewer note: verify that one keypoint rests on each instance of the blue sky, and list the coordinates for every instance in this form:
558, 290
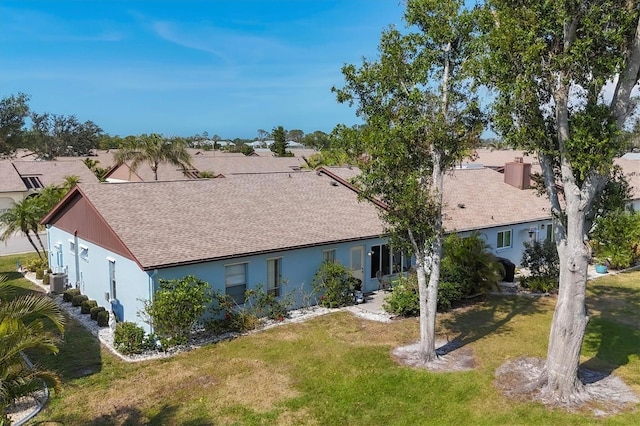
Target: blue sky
183, 67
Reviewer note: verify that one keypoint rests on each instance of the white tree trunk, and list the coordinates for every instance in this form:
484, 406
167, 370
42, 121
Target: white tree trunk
570, 317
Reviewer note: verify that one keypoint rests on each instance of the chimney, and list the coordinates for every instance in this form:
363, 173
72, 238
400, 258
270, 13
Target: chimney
518, 173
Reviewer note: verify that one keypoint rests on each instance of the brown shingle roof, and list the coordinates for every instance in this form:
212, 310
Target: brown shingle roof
165, 223
487, 200
10, 180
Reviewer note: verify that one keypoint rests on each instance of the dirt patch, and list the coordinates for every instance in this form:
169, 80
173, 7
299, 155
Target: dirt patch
451, 357
603, 395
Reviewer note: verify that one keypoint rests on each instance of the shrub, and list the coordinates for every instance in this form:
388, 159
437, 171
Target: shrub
404, 299
103, 318
176, 307
33, 265
39, 273
448, 293
94, 312
78, 299
45, 279
265, 304
68, 295
87, 305
616, 237
332, 282
128, 338
544, 265
468, 263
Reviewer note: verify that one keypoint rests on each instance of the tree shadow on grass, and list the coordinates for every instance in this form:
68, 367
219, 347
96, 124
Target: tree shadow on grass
488, 317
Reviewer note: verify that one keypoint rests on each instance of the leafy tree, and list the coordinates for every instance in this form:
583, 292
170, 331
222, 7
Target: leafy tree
176, 307
154, 150
279, 146
262, 135
22, 327
541, 258
13, 112
317, 140
549, 64
295, 135
53, 135
420, 120
327, 157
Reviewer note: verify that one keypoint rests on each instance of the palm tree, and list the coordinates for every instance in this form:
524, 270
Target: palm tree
22, 217
153, 149
22, 327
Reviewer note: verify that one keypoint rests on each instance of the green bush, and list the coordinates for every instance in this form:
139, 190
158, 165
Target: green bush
78, 299
468, 263
404, 299
39, 273
448, 293
544, 266
616, 237
33, 265
87, 305
128, 338
68, 295
103, 318
45, 279
176, 307
333, 283
94, 312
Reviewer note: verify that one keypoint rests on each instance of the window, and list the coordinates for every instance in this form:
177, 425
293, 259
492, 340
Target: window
550, 235
387, 261
328, 255
274, 276
504, 239
112, 278
235, 281
72, 247
32, 182
84, 252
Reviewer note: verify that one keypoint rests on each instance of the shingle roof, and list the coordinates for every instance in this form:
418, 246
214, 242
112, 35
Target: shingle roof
48, 172
487, 200
10, 180
54, 172
165, 223
244, 165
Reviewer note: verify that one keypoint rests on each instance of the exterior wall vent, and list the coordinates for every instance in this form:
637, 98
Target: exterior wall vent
518, 174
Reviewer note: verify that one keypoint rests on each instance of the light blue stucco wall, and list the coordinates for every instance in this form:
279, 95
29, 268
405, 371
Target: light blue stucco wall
519, 235
91, 275
298, 268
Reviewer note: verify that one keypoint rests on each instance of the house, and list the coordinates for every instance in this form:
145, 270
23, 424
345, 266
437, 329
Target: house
116, 241
20, 179
499, 206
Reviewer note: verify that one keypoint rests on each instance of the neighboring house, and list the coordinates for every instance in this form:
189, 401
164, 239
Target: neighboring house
115, 241
22, 178
630, 164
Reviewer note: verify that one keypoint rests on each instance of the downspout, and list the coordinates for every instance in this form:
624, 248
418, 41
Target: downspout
151, 292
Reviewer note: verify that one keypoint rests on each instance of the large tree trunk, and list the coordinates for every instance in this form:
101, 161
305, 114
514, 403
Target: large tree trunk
28, 235
427, 346
570, 316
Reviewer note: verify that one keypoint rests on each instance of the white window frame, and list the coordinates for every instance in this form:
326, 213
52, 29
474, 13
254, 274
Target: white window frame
274, 275
84, 252
329, 255
112, 278
72, 247
500, 240
239, 298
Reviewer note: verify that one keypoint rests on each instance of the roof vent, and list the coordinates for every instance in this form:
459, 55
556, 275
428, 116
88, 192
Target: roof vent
333, 183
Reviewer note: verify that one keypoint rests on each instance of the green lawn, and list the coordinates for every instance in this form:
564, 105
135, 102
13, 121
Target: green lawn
337, 369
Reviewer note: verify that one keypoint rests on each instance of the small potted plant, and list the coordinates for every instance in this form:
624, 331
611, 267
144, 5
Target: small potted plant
602, 265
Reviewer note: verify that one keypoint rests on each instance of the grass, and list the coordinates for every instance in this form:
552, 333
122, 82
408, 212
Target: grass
337, 369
